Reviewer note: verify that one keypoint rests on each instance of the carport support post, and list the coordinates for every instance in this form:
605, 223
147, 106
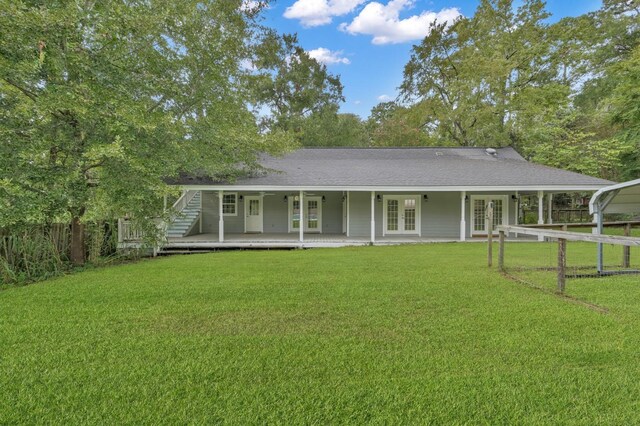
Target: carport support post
373, 217
550, 208
463, 223
600, 261
540, 212
301, 222
562, 263
221, 217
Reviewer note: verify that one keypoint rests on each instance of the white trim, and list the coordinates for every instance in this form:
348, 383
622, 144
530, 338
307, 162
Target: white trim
235, 202
411, 189
505, 211
260, 199
401, 199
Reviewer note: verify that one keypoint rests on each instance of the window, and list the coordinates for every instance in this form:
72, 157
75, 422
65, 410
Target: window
229, 204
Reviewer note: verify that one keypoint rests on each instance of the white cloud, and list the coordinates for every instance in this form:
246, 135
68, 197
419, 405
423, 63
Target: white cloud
384, 24
357, 102
328, 57
313, 13
384, 98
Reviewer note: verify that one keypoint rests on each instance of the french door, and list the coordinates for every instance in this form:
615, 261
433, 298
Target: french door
401, 214
479, 221
312, 214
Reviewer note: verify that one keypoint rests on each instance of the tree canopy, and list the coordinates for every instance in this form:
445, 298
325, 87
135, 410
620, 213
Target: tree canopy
100, 101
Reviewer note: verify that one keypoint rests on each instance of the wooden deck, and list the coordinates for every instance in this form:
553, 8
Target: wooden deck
208, 242
284, 241
291, 240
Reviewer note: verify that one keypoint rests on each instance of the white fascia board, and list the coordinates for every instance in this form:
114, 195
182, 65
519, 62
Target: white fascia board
506, 188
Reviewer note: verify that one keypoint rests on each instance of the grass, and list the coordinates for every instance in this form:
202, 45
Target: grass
407, 334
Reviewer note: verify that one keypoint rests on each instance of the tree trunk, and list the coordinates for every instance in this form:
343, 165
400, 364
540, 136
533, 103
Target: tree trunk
78, 249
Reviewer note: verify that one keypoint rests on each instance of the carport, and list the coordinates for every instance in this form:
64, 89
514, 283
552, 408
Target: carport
621, 198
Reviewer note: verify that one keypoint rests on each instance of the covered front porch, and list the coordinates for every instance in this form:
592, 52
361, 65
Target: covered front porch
367, 216
244, 218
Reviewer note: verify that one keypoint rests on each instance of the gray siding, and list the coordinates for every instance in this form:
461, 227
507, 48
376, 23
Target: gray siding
359, 214
441, 215
232, 224
332, 213
275, 213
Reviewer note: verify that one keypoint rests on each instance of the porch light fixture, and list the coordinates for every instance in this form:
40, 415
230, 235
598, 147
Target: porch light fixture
379, 198
466, 198
241, 197
324, 199
515, 197
425, 197
286, 198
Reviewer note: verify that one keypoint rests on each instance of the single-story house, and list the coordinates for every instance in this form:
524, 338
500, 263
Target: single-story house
342, 196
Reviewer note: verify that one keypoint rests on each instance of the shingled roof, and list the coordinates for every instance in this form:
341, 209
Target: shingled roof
406, 167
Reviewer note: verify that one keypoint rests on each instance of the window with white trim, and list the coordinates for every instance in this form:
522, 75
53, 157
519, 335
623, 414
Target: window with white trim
230, 204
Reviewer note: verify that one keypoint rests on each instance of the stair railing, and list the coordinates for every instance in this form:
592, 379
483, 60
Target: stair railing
184, 200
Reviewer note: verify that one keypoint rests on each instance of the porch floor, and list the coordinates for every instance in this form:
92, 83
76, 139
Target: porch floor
286, 240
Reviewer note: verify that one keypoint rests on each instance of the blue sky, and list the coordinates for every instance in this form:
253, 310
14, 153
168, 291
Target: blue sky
368, 42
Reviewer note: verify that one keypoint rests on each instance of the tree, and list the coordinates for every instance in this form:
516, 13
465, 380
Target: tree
103, 100
486, 80
599, 51
625, 112
390, 124
291, 84
328, 128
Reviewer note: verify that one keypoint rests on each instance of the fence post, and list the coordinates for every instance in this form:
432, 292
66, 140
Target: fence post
562, 263
626, 250
489, 218
501, 252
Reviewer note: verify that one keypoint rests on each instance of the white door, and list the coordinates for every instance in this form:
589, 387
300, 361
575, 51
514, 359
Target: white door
401, 215
480, 225
252, 214
312, 214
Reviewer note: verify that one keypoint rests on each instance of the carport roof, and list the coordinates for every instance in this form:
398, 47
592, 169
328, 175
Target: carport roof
620, 198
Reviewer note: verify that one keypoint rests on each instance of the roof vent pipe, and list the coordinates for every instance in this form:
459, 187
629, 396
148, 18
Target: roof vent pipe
491, 151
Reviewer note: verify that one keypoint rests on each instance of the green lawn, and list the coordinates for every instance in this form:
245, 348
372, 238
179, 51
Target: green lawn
355, 335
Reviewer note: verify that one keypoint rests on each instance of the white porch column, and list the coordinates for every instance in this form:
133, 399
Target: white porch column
301, 223
540, 212
549, 208
200, 221
463, 222
221, 219
348, 213
373, 216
